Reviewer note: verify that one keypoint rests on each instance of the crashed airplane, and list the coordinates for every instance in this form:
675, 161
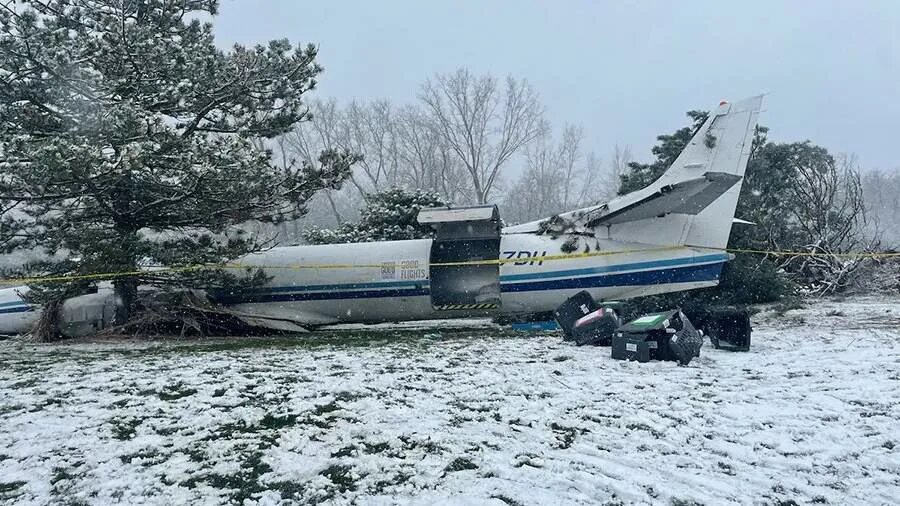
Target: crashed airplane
667, 237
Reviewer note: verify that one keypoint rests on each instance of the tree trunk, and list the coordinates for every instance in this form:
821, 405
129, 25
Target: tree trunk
126, 295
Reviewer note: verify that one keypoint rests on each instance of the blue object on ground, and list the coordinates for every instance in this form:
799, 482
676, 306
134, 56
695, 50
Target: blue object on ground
535, 326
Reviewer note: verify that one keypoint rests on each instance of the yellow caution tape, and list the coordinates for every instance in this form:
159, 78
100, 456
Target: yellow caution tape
852, 254
498, 261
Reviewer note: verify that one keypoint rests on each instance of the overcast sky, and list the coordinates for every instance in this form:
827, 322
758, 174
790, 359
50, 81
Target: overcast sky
625, 71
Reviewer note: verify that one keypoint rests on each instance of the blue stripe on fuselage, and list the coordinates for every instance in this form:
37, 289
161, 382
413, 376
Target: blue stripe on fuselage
15, 309
282, 297
688, 274
682, 272
615, 268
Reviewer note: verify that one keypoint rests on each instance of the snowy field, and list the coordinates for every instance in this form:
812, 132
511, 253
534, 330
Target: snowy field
474, 415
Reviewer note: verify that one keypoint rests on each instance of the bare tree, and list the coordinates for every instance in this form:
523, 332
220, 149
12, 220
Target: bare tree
426, 159
483, 126
568, 154
881, 190
828, 211
323, 131
369, 129
557, 177
612, 177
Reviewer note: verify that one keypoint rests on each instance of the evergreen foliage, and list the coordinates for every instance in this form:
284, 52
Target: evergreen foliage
389, 215
128, 138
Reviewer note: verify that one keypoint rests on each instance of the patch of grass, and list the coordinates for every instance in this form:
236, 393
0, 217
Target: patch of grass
567, 434
244, 484
149, 456
277, 422
644, 427
28, 383
377, 447
346, 451
167, 431
324, 409
347, 396
677, 501
121, 403
175, 392
10, 408
507, 500
460, 464
397, 479
465, 407
10, 486
429, 446
726, 468
340, 477
288, 489
124, 429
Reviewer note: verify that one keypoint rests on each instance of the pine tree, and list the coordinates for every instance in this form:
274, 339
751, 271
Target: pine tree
389, 215
127, 137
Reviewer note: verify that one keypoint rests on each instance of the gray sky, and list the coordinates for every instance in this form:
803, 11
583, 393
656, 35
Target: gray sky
625, 71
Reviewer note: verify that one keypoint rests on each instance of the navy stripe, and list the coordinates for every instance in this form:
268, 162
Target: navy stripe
17, 309
687, 274
13, 303
423, 283
617, 268
345, 286
282, 297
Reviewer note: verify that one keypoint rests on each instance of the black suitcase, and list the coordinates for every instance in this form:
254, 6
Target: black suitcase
596, 328
573, 309
686, 342
629, 346
728, 329
656, 331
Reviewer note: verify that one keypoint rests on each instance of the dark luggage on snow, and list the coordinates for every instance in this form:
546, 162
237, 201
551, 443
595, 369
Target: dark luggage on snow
659, 336
637, 347
573, 309
686, 342
596, 328
728, 328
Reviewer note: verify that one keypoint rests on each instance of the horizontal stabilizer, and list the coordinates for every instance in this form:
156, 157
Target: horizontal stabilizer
685, 197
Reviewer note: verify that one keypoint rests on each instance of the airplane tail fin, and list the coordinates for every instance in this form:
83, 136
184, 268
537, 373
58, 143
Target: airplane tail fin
721, 146
694, 201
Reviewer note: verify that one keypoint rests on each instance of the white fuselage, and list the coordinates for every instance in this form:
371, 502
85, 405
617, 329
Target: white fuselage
389, 281
324, 284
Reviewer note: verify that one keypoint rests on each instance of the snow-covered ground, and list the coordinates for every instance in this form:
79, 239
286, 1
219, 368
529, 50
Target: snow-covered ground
472, 415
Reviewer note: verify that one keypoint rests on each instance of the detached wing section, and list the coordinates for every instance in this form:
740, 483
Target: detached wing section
686, 197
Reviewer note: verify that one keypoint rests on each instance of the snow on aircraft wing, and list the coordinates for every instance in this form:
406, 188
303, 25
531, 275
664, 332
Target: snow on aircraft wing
685, 197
